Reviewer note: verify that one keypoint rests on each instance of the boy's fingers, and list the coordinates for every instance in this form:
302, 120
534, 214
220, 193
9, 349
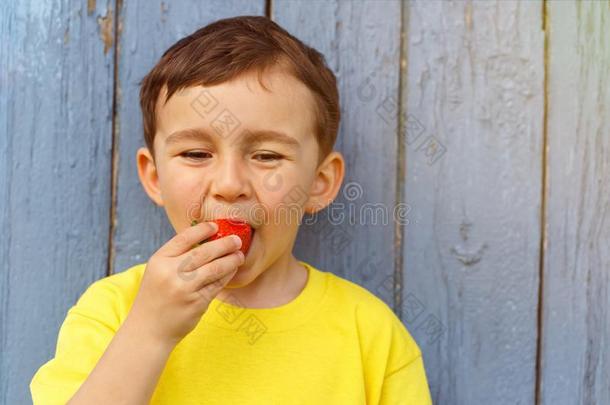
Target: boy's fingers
210, 291
208, 252
214, 271
184, 240
210, 287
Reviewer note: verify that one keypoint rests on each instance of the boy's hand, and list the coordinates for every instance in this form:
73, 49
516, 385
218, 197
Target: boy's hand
180, 281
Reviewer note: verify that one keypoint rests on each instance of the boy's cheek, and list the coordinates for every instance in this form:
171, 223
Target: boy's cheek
286, 218
286, 208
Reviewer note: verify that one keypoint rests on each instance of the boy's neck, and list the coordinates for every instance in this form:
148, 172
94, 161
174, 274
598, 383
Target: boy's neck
281, 283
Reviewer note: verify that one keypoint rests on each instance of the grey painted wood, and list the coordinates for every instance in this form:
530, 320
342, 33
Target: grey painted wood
360, 41
56, 84
469, 248
474, 85
148, 29
575, 330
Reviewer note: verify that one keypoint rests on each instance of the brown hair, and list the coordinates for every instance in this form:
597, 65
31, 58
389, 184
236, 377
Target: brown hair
230, 47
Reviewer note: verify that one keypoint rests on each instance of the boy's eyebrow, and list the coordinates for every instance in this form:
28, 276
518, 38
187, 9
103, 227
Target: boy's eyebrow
252, 137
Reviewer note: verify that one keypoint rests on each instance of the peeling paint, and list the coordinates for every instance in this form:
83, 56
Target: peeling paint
468, 16
164, 9
105, 24
90, 7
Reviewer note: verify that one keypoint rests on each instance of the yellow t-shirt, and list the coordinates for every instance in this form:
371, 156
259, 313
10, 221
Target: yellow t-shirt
335, 343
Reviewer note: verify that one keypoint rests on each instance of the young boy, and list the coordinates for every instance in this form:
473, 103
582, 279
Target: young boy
237, 116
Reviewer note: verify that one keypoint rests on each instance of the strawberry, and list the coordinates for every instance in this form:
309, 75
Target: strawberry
232, 226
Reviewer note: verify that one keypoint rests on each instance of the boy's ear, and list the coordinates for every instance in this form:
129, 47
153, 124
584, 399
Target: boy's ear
327, 183
149, 177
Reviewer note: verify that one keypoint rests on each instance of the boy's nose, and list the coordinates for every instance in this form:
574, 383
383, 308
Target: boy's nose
230, 181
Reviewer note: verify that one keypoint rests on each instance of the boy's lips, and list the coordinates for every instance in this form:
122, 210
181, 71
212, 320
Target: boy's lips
237, 220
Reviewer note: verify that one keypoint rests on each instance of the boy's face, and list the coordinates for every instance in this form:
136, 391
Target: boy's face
237, 150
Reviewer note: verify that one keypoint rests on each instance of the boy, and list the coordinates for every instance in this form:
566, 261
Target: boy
237, 116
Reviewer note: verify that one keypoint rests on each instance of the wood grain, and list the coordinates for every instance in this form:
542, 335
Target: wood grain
473, 126
56, 82
465, 197
575, 329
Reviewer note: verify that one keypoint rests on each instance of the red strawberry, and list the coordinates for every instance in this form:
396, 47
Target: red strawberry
233, 227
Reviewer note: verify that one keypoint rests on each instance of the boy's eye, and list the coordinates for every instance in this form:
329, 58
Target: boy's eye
267, 157
195, 155
261, 157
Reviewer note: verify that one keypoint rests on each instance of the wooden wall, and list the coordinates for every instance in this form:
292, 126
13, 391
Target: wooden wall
480, 127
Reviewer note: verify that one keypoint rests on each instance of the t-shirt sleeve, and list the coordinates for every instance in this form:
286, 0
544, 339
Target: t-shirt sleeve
407, 385
394, 369
85, 333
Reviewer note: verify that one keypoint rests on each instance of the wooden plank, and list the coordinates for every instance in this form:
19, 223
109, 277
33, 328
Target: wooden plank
361, 43
148, 29
56, 81
473, 125
575, 355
